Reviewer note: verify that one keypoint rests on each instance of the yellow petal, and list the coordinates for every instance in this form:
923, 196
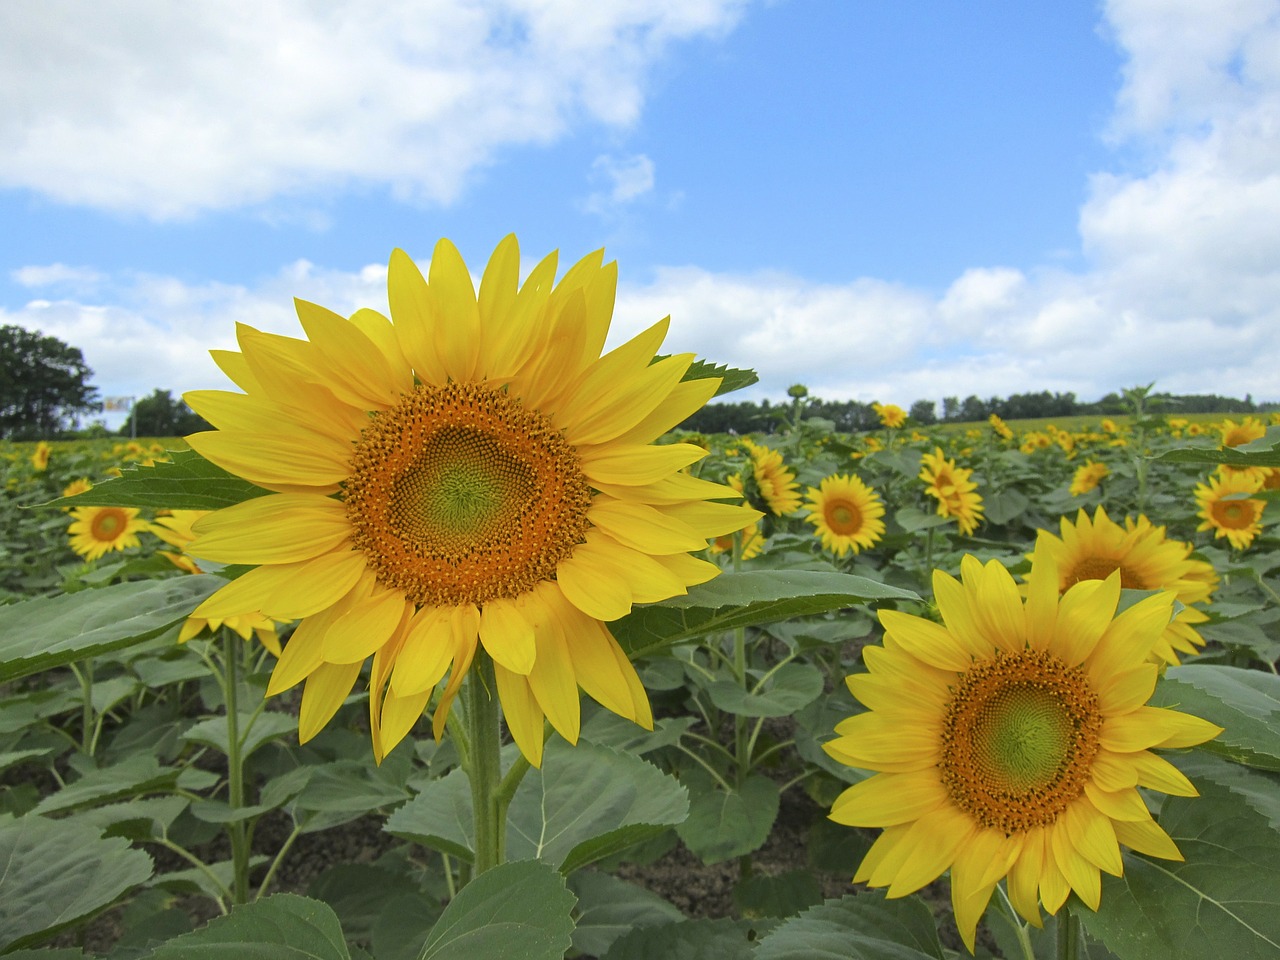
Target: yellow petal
1130, 638
305, 650
552, 680
464, 625
349, 362
592, 584
415, 314
1082, 875
1091, 834
890, 798
676, 488
1154, 727
884, 857
627, 465
1083, 617
689, 570
457, 338
498, 288
521, 711
934, 842
1118, 805
426, 654
398, 716
873, 742
287, 591
600, 673
1042, 599
1126, 690
999, 609
383, 336
952, 599
265, 458
326, 689
1159, 774
713, 519
685, 399
366, 626
643, 527
507, 636
1024, 876
279, 528
927, 641
1145, 836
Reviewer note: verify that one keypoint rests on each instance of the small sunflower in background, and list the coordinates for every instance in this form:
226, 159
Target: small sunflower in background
1087, 477
752, 541
1095, 548
1246, 431
1010, 741
891, 415
1227, 509
846, 514
1000, 427
776, 482
40, 456
950, 485
97, 531
470, 480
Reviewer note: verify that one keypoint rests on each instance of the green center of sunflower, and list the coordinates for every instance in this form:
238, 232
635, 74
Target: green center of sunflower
844, 518
459, 494
1019, 738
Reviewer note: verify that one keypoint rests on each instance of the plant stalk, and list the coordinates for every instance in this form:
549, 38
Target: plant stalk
484, 769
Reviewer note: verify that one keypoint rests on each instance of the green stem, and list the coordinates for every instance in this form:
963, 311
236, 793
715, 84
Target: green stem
237, 829
86, 696
484, 770
1010, 916
200, 865
278, 859
1068, 935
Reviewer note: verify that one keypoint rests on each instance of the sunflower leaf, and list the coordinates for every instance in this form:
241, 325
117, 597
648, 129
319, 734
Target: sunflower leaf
1223, 900
53, 873
1263, 452
46, 632
608, 907
731, 378
187, 481
862, 927
518, 910
1246, 703
745, 599
282, 926
704, 939
729, 823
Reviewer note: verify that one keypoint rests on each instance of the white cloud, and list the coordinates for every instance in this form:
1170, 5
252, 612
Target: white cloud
625, 179
55, 274
147, 107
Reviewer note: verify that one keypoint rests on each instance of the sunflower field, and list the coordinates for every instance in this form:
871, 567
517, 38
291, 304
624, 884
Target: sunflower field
310, 684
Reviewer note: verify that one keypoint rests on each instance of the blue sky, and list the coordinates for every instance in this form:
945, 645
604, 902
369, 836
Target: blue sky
882, 200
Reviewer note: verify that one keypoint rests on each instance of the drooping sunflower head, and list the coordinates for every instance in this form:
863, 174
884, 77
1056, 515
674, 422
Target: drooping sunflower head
1087, 477
776, 482
1227, 509
96, 531
40, 455
1001, 428
950, 485
468, 474
1246, 431
846, 514
1144, 558
1009, 740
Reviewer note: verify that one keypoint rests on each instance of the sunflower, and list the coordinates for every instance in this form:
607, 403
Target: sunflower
79, 485
1093, 549
469, 475
175, 530
40, 455
1227, 510
1087, 477
774, 479
891, 415
752, 541
96, 531
1246, 431
950, 485
846, 514
1010, 740
1000, 427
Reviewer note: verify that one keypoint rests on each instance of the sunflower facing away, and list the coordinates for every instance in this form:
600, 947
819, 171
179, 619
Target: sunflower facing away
1095, 549
1087, 477
471, 473
1010, 740
950, 485
774, 479
846, 514
96, 531
1227, 510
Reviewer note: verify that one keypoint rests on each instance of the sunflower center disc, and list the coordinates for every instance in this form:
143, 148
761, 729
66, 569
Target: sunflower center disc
1099, 568
459, 494
107, 524
844, 518
1232, 514
1019, 738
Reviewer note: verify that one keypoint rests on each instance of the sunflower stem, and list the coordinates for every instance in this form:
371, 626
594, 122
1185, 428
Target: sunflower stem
1068, 935
484, 769
1010, 916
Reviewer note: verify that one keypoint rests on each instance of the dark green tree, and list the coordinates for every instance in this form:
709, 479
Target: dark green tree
44, 383
924, 412
162, 415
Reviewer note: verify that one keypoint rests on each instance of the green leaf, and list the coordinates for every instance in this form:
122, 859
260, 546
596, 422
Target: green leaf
439, 817
48, 632
731, 378
53, 873
790, 688
691, 940
254, 731
135, 820
138, 774
518, 910
743, 599
862, 927
729, 823
1260, 789
280, 927
588, 802
784, 895
1264, 452
187, 482
1223, 901
608, 907
359, 894
1246, 703
912, 519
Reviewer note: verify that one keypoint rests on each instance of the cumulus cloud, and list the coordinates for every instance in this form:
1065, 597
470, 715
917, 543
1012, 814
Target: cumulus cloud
147, 107
624, 180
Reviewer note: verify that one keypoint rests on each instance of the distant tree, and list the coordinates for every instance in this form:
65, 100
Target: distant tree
924, 412
44, 383
161, 415
950, 408
973, 408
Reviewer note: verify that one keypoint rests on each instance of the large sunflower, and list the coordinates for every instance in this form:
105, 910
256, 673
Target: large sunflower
950, 485
96, 531
846, 514
1010, 740
1227, 510
1146, 559
469, 474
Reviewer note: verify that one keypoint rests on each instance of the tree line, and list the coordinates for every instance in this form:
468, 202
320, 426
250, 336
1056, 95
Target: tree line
853, 416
